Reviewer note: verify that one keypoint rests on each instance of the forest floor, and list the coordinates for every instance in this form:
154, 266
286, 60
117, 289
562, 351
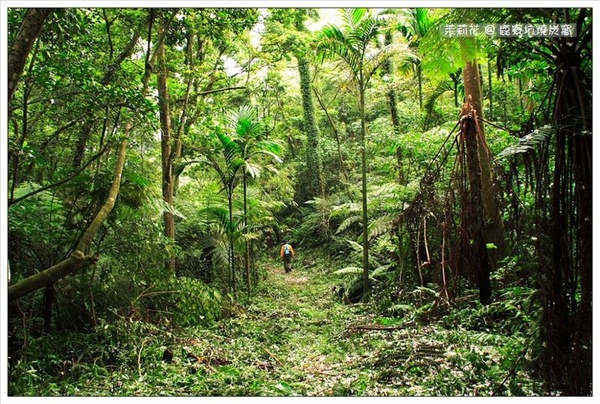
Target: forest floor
297, 338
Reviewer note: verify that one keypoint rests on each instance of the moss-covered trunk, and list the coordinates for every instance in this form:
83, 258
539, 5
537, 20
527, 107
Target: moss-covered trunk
312, 184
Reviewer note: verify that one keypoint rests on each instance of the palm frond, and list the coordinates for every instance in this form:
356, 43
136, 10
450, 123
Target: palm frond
159, 206
266, 152
397, 50
215, 215
352, 16
442, 88
214, 243
423, 23
230, 149
241, 118
252, 170
331, 43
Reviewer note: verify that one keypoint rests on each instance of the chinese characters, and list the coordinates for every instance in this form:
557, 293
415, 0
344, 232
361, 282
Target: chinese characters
509, 30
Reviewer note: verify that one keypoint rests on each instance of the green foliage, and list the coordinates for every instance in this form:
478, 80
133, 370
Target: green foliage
187, 302
528, 142
349, 270
295, 338
112, 322
314, 227
82, 363
38, 236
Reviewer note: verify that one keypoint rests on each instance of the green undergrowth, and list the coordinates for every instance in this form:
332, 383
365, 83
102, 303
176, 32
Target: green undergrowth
295, 337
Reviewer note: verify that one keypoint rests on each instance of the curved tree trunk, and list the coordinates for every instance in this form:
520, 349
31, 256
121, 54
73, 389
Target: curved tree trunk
336, 135
78, 258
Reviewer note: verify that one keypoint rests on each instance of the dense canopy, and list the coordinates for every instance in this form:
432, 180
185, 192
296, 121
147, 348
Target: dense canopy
431, 168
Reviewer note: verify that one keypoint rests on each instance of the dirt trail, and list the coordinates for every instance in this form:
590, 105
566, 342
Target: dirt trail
320, 355
297, 338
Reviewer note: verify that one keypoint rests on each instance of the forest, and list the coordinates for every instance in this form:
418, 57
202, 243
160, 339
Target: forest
431, 169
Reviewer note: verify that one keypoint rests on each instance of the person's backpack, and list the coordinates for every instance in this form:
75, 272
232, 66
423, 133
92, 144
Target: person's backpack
287, 250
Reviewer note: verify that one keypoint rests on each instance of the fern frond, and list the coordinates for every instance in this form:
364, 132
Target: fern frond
355, 246
387, 190
528, 142
349, 270
382, 270
345, 209
158, 206
401, 309
381, 225
347, 223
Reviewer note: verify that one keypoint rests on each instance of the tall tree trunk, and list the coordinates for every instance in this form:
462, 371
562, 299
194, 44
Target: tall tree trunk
246, 241
313, 176
166, 153
490, 88
494, 228
363, 159
19, 50
184, 120
469, 129
455, 80
230, 230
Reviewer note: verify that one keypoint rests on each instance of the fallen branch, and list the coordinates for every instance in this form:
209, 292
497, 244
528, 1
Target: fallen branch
139, 358
272, 355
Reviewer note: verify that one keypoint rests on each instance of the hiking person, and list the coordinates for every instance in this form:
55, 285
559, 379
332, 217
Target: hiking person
286, 253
